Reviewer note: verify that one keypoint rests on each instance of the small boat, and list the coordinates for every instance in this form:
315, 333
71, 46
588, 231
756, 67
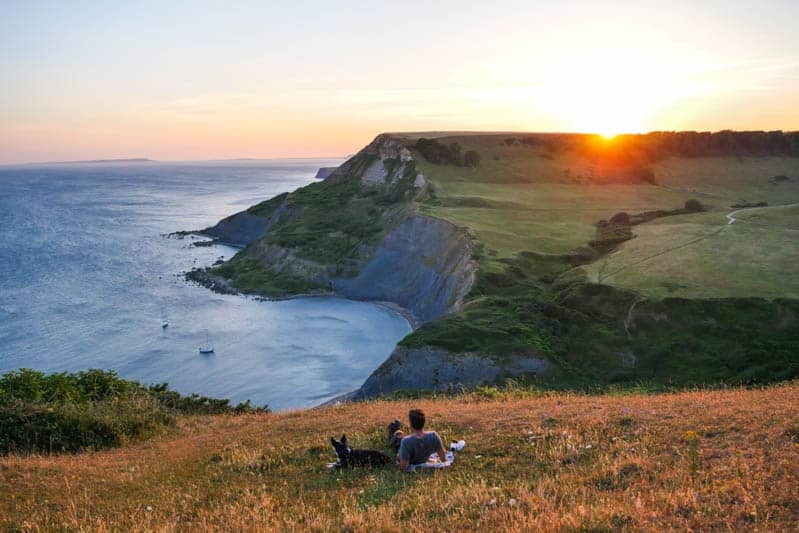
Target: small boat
164, 324
207, 347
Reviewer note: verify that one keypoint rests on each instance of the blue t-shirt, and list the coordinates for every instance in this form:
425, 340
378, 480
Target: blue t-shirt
416, 450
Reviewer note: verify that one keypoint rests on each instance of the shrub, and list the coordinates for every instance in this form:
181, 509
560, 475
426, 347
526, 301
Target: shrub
471, 158
620, 218
694, 206
446, 154
92, 409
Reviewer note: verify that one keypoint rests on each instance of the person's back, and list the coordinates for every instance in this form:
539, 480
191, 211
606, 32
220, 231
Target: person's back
417, 447
416, 450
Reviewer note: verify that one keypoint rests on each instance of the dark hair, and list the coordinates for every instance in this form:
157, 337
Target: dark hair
416, 418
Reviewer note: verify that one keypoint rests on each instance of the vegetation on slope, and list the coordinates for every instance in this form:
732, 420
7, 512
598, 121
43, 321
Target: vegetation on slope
549, 215
247, 274
68, 412
698, 460
446, 154
334, 224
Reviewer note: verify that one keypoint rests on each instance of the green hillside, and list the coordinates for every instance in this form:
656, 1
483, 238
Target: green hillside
666, 258
678, 298
538, 199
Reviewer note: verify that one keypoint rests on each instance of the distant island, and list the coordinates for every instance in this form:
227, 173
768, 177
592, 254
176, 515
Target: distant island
96, 161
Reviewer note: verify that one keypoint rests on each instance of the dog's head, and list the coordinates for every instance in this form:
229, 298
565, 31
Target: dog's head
392, 429
342, 448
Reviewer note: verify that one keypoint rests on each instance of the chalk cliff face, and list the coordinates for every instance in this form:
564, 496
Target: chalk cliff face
423, 265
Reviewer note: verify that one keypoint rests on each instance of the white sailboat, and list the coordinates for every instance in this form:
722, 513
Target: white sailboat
207, 347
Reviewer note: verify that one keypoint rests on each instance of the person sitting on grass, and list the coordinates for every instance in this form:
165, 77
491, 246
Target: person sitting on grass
417, 447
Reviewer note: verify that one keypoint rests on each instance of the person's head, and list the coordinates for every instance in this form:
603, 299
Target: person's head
417, 419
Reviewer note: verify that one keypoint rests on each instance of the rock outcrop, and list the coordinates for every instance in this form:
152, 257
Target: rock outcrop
391, 159
424, 265
324, 172
243, 228
435, 369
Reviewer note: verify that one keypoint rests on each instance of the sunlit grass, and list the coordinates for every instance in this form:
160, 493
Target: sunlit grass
537, 200
703, 256
701, 460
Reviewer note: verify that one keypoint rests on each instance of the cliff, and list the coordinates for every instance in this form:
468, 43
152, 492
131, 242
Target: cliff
359, 235
424, 265
440, 370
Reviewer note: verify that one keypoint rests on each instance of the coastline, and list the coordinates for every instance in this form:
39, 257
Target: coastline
219, 285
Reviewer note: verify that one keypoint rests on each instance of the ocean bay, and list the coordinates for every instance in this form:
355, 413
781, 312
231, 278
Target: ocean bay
88, 276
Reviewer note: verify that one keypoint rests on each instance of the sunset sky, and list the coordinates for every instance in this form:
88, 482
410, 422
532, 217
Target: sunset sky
207, 80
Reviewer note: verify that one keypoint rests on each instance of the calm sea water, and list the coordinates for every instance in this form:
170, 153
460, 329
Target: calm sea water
87, 276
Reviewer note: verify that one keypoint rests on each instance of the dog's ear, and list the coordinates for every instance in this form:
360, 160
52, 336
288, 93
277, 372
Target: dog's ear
333, 442
344, 440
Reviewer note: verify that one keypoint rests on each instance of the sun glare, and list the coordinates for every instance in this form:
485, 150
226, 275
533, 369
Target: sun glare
607, 92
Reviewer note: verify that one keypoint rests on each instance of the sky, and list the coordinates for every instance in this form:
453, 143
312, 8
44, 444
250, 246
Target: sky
205, 79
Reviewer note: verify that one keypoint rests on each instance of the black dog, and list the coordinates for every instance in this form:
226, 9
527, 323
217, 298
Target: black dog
348, 458
394, 434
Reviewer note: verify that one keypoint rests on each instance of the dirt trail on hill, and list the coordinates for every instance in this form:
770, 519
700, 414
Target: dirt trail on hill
663, 252
730, 219
731, 215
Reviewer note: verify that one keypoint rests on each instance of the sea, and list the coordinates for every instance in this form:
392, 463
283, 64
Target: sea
89, 275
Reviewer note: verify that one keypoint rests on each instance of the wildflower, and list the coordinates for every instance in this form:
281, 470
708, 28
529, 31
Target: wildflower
512, 502
691, 437
149, 508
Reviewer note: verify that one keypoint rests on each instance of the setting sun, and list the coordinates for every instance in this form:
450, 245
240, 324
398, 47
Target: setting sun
611, 91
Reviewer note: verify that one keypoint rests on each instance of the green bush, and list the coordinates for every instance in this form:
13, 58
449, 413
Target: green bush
93, 409
439, 153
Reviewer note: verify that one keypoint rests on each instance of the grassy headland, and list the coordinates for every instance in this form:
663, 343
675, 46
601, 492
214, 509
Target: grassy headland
613, 259
695, 460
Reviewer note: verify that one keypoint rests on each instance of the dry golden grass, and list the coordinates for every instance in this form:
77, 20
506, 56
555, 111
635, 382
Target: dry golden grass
699, 460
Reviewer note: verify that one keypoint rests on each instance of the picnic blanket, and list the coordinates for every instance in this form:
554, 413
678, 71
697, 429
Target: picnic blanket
434, 461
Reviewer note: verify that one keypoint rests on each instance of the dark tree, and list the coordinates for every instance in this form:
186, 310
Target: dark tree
471, 158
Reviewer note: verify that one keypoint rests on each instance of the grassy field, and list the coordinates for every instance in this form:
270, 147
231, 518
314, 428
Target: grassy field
777, 217
732, 180
529, 198
534, 211
702, 256
697, 460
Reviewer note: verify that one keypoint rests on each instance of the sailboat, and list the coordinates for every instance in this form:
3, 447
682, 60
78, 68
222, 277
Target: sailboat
207, 347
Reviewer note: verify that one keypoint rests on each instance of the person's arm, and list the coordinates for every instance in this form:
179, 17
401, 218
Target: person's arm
404, 456
442, 452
